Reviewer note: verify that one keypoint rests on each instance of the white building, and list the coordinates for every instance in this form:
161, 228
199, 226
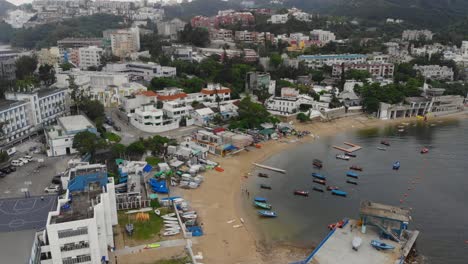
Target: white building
412, 35
90, 56
59, 138
149, 13
279, 19
146, 71
150, 119
375, 69
123, 41
48, 56
17, 18
15, 119
171, 28
290, 101
80, 228
130, 103
435, 72
320, 60
322, 35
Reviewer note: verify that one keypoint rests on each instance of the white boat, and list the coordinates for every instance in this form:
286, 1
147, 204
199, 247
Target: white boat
172, 226
357, 241
157, 212
171, 233
189, 213
168, 215
190, 216
343, 157
381, 148
170, 222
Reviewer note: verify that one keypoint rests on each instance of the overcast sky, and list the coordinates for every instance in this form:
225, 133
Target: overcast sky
19, 2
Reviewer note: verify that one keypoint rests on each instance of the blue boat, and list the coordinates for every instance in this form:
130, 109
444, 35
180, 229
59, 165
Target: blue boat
379, 245
396, 165
267, 213
260, 199
318, 176
352, 174
339, 193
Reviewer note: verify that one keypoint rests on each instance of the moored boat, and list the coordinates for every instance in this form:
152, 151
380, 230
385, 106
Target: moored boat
339, 193
352, 182
330, 188
260, 199
267, 213
338, 224
352, 174
396, 165
171, 233
263, 175
385, 142
263, 205
342, 157
323, 182
381, 148
318, 176
317, 163
264, 186
424, 150
350, 154
379, 245
301, 193
356, 168
317, 189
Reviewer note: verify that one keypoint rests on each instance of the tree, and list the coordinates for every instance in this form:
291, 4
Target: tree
118, 150
47, 74
163, 82
251, 114
275, 60
66, 66
87, 142
317, 76
302, 117
136, 148
25, 66
358, 75
335, 102
199, 37
94, 110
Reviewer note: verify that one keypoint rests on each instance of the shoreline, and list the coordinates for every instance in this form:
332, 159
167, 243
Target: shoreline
220, 197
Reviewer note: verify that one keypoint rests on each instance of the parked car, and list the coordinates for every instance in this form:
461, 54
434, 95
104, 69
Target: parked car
109, 121
2, 174
28, 158
17, 163
54, 188
57, 179
6, 170
12, 168
23, 160
117, 128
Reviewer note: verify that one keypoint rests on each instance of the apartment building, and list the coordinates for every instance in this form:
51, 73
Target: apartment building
313, 61
171, 28
8, 63
435, 72
80, 229
412, 35
322, 35
150, 119
66, 45
221, 34
48, 56
123, 41
385, 70
253, 37
289, 102
146, 71
90, 56
59, 138
278, 19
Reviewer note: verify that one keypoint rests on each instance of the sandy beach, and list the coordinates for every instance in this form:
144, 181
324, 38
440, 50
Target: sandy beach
218, 200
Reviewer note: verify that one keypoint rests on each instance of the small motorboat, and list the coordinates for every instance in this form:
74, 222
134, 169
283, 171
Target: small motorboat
191, 216
356, 168
424, 150
301, 193
318, 176
381, 148
396, 165
352, 155
331, 188
260, 199
171, 233
356, 243
339, 193
342, 157
379, 245
352, 182
338, 224
264, 186
385, 142
317, 189
263, 175
173, 226
263, 205
323, 182
352, 174
267, 213
317, 163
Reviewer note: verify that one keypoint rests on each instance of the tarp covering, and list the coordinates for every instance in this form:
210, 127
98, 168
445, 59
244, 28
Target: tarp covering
196, 231
147, 168
119, 161
267, 131
158, 186
229, 147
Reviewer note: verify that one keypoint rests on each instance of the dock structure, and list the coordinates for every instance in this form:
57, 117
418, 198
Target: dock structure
269, 168
353, 147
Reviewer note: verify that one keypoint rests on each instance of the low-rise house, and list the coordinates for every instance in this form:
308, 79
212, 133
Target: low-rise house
313, 61
374, 68
290, 102
145, 71
278, 19
59, 138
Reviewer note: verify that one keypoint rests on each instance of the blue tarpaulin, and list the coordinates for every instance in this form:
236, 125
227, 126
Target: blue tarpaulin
147, 168
196, 231
158, 186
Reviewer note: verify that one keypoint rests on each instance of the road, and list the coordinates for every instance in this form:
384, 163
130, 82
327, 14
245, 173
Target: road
131, 134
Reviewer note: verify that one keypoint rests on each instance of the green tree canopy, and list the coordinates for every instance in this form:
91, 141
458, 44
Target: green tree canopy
93, 109
47, 74
25, 66
87, 142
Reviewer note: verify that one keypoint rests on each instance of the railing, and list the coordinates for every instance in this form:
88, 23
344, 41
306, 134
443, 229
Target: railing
75, 246
70, 233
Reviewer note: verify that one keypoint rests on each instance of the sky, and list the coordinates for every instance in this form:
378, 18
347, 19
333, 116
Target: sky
19, 2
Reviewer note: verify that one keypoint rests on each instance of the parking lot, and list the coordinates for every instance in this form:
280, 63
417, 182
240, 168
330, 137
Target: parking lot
31, 176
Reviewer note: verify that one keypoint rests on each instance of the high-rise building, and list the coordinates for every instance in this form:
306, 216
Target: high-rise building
322, 35
90, 56
123, 41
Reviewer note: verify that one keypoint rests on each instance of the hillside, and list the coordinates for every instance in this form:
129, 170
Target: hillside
4, 6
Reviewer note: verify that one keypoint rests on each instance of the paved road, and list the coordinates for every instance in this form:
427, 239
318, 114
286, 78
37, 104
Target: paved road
164, 244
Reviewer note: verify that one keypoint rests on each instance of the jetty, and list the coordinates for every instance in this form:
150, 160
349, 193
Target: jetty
269, 168
374, 219
352, 148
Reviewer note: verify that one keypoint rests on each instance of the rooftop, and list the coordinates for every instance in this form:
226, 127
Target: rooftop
48, 91
6, 104
331, 56
16, 246
75, 123
385, 211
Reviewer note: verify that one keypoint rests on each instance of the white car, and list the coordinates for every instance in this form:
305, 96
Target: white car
28, 158
23, 160
17, 163
52, 188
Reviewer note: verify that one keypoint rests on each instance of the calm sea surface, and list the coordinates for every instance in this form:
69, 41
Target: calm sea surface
436, 185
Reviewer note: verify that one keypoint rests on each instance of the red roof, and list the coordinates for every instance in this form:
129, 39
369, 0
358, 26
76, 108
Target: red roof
171, 97
148, 93
219, 91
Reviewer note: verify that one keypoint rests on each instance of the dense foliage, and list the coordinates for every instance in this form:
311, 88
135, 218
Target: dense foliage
251, 115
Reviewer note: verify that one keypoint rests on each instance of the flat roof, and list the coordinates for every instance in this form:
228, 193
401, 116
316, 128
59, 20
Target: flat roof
18, 214
16, 246
81, 206
6, 104
385, 211
330, 56
75, 122
48, 91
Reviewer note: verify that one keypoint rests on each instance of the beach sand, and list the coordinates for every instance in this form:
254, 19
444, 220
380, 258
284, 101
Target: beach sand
218, 200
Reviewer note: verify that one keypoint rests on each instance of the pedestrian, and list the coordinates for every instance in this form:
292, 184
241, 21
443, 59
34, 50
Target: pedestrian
42, 198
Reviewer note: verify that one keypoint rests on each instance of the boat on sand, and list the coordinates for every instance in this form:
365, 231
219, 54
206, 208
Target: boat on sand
379, 245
